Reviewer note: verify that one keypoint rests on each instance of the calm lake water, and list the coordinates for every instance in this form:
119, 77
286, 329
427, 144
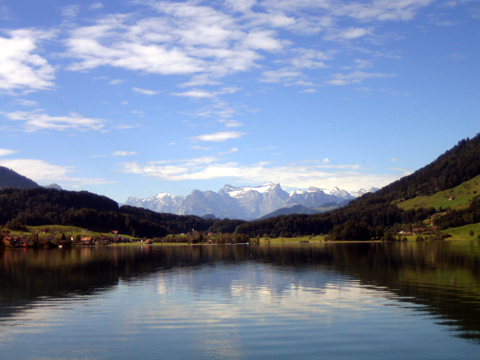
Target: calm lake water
330, 301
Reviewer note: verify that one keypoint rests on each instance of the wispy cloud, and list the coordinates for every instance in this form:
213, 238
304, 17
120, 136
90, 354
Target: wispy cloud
199, 93
196, 93
347, 34
230, 123
145, 91
5, 152
198, 147
275, 76
219, 136
97, 5
231, 151
356, 77
70, 11
124, 153
115, 82
26, 102
38, 120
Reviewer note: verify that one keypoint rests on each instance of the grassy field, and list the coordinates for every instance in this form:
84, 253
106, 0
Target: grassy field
70, 231
463, 232
463, 193
460, 233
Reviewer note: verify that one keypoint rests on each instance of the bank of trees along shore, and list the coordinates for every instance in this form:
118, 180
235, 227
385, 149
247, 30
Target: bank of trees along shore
39, 206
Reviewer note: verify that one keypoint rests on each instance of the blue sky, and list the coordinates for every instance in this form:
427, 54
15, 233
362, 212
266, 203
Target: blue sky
132, 98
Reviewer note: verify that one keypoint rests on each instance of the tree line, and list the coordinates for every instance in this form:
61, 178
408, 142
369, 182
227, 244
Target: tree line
40, 206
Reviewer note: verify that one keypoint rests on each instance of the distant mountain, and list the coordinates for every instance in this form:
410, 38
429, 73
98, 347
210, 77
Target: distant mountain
53, 186
257, 200
163, 202
362, 192
314, 197
295, 209
242, 202
11, 179
344, 194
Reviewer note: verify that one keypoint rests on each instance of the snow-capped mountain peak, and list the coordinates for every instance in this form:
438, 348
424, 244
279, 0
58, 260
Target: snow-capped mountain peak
243, 202
237, 192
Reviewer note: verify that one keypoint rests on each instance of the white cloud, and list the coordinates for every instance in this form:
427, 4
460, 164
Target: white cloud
230, 123
196, 93
219, 136
137, 112
144, 91
70, 11
263, 40
97, 6
241, 5
5, 152
20, 66
350, 177
275, 76
199, 93
381, 10
37, 120
198, 147
210, 42
200, 80
362, 64
307, 91
184, 39
356, 77
43, 172
347, 34
115, 82
231, 151
26, 102
124, 153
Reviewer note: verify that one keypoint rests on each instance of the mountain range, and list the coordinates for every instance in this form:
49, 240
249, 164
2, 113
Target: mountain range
244, 202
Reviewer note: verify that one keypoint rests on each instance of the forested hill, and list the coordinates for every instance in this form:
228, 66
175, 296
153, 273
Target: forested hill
455, 166
40, 206
11, 179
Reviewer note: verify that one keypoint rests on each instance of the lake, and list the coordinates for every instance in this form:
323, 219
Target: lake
328, 301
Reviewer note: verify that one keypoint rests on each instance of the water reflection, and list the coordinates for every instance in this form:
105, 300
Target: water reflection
268, 287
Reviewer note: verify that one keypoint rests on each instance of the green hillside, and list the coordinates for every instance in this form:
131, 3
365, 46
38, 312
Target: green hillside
456, 198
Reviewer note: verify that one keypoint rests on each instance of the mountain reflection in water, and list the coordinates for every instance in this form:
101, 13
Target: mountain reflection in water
439, 280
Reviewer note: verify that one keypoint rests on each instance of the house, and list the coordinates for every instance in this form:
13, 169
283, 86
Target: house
10, 240
87, 240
